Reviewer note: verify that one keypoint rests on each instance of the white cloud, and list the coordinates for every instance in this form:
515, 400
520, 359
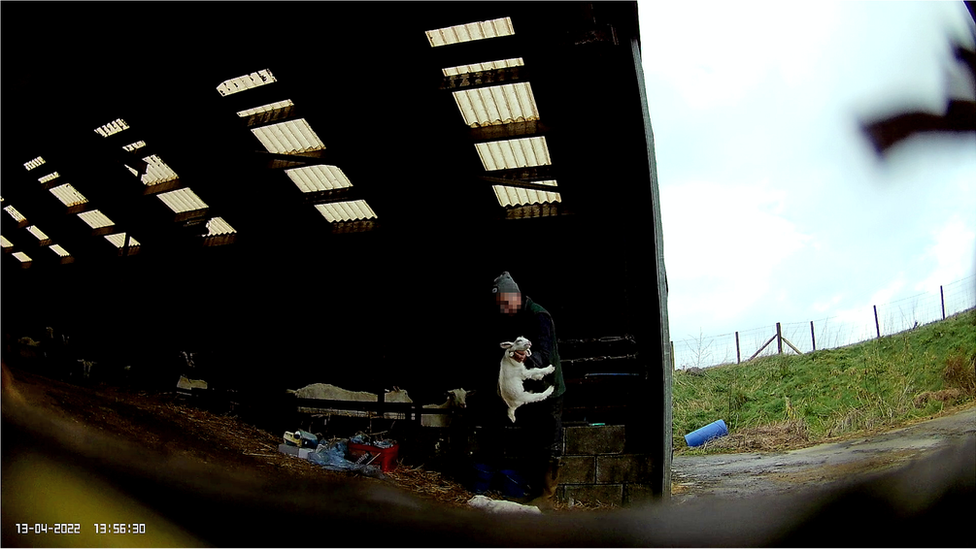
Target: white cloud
952, 253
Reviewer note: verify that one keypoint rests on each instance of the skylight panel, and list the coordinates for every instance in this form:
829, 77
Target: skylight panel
495, 105
218, 227
293, 136
514, 153
118, 240
354, 210
480, 30
30, 165
56, 248
134, 146
48, 177
318, 178
96, 219
112, 128
246, 82
182, 200
5, 243
156, 172
22, 257
517, 196
39, 234
265, 108
68, 195
15, 214
486, 66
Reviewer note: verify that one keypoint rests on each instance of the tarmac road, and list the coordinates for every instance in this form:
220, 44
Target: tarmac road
759, 474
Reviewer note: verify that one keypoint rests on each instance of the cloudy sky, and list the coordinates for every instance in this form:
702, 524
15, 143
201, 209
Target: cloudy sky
775, 208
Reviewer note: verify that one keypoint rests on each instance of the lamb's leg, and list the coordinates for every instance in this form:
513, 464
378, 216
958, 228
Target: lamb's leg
539, 373
536, 397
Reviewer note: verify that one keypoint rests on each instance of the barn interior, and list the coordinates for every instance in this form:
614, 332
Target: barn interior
323, 192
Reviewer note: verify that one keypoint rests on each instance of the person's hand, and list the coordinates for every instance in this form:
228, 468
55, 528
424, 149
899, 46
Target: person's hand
518, 356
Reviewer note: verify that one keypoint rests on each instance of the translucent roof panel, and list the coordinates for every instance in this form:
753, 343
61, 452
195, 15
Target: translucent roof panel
14, 213
133, 146
293, 136
517, 196
217, 227
22, 257
182, 200
5, 243
265, 108
495, 105
157, 171
354, 210
96, 219
246, 82
30, 165
39, 234
68, 195
480, 30
486, 66
118, 240
112, 128
514, 153
56, 248
318, 178
48, 177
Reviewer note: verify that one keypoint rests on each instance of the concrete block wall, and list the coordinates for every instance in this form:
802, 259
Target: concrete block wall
595, 468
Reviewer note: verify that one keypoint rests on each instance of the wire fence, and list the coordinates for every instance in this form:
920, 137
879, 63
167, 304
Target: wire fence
827, 333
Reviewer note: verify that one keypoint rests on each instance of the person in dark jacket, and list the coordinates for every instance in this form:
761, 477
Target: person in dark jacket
538, 428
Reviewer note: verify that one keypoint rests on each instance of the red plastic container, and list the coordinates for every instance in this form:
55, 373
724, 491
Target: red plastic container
385, 457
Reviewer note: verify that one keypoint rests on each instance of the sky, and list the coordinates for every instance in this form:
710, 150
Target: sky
774, 206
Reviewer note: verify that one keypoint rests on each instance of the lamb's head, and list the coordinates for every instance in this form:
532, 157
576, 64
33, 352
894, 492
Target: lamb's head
458, 397
520, 344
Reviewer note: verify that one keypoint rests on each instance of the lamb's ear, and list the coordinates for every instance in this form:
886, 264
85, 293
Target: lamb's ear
507, 344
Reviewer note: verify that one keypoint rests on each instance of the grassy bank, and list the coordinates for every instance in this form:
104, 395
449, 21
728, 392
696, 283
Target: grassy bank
791, 400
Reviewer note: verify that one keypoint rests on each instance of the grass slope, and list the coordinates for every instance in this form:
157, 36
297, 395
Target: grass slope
791, 400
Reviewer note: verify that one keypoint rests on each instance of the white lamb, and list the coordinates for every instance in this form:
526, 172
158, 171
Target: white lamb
513, 374
456, 398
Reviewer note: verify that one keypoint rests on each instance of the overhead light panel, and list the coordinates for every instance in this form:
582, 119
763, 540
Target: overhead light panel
118, 240
517, 196
30, 165
112, 128
486, 66
266, 108
354, 210
22, 257
15, 214
157, 171
218, 227
480, 30
68, 195
293, 136
56, 248
182, 200
496, 105
48, 177
96, 219
5, 243
134, 146
39, 234
246, 82
514, 153
318, 178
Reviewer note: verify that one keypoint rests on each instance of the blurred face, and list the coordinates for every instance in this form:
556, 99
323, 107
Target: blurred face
509, 303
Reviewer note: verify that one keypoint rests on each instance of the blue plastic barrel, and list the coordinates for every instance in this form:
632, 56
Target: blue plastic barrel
483, 474
512, 484
714, 429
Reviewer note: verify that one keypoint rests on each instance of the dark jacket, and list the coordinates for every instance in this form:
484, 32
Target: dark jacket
534, 323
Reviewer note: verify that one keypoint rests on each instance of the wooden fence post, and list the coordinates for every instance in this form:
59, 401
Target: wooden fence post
738, 357
942, 299
779, 338
813, 338
877, 326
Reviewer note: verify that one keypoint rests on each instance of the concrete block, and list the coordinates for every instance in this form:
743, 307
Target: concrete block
623, 468
577, 470
636, 493
592, 440
594, 493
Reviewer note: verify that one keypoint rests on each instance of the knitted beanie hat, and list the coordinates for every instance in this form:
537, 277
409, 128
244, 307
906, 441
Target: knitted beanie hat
505, 284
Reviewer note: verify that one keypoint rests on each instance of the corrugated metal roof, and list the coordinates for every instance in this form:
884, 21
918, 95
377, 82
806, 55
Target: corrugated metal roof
495, 105
112, 128
265, 108
96, 219
31, 164
353, 210
39, 234
59, 250
5, 243
118, 240
14, 213
24, 258
480, 30
156, 172
48, 177
246, 82
485, 66
133, 146
217, 227
68, 195
293, 136
514, 153
182, 200
318, 178
517, 196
